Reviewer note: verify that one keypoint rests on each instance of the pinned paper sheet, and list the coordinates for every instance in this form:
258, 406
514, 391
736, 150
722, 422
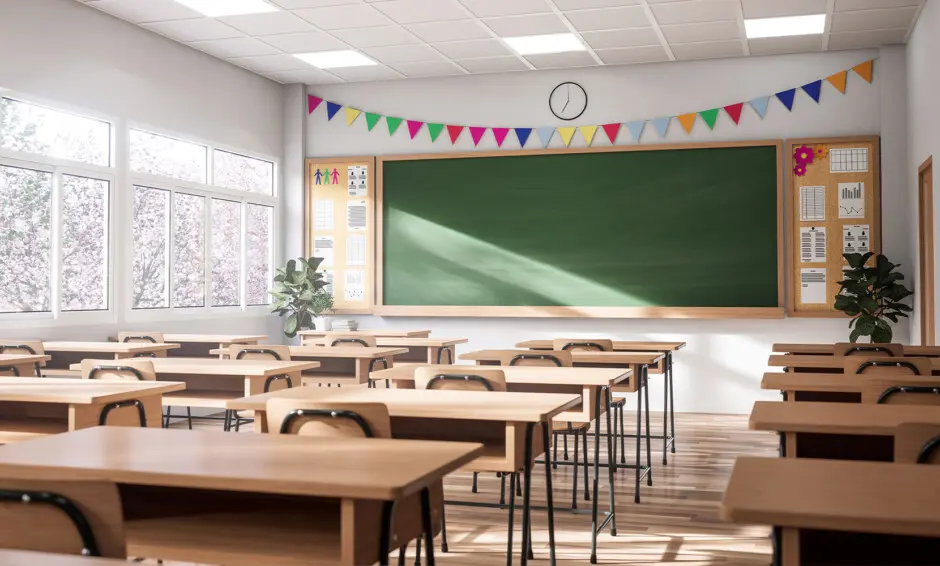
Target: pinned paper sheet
856, 239
355, 250
848, 160
851, 200
354, 288
328, 278
356, 215
812, 204
323, 247
813, 286
358, 180
813, 244
323, 215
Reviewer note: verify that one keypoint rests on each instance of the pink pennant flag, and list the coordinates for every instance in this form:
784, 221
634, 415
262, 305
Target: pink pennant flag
500, 135
312, 103
414, 127
476, 132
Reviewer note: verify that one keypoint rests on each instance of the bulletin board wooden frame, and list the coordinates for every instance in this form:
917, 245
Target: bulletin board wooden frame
339, 193
575, 311
818, 174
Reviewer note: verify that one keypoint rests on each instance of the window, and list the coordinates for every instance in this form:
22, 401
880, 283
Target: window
226, 252
189, 244
84, 247
33, 129
259, 246
167, 157
25, 240
234, 171
151, 220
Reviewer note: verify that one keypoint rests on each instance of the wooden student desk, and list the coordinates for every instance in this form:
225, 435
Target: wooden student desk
20, 558
838, 387
198, 345
423, 350
827, 350
377, 332
827, 511
32, 407
66, 353
341, 365
245, 499
838, 431
21, 364
821, 364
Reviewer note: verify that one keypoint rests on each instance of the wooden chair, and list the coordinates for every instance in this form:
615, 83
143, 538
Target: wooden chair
916, 443
258, 352
555, 358
903, 394
62, 517
128, 369
340, 339
24, 347
870, 350
466, 378
142, 337
590, 344
882, 365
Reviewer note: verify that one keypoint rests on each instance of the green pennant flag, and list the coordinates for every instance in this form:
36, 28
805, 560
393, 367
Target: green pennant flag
435, 130
710, 117
393, 124
372, 119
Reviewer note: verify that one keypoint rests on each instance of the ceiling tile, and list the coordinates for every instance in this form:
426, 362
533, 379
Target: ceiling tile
268, 24
873, 19
776, 8
297, 4
417, 11
310, 77
561, 60
844, 5
533, 24
428, 69
781, 45
374, 73
866, 39
695, 11
199, 29
707, 50
270, 63
711, 31
303, 42
608, 18
588, 4
403, 53
496, 8
140, 11
458, 30
376, 37
628, 55
471, 49
633, 37
344, 17
237, 47
492, 64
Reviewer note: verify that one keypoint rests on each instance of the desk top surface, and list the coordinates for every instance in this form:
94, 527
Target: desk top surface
577, 356
619, 345
215, 338
838, 382
838, 418
520, 374
215, 366
21, 558
405, 342
323, 352
79, 391
395, 332
23, 358
810, 361
109, 347
827, 349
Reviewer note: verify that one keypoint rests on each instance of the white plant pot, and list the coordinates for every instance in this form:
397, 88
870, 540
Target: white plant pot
322, 323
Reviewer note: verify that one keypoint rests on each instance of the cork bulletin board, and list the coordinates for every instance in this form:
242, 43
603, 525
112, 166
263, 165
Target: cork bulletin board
833, 207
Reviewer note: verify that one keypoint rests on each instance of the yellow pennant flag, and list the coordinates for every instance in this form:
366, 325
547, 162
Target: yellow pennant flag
838, 80
687, 121
351, 115
588, 133
566, 134
864, 70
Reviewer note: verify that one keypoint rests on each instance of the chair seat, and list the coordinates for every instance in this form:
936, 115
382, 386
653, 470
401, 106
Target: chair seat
563, 426
618, 402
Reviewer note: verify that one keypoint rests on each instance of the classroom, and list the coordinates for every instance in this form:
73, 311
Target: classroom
469, 282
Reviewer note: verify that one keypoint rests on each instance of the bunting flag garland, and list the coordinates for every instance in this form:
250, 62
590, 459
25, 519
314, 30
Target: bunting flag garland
661, 125
500, 135
312, 103
476, 132
760, 105
435, 130
566, 134
786, 97
414, 127
687, 121
454, 133
588, 133
545, 135
523, 135
710, 117
838, 80
813, 89
636, 129
393, 124
351, 115
372, 119
612, 130
331, 109
864, 70
734, 111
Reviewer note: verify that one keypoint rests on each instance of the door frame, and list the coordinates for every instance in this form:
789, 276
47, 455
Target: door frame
925, 237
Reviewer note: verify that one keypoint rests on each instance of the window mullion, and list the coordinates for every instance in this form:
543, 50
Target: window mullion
243, 251
55, 241
207, 283
171, 251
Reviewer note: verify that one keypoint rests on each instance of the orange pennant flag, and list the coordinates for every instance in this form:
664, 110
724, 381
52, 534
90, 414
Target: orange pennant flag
838, 80
687, 121
864, 70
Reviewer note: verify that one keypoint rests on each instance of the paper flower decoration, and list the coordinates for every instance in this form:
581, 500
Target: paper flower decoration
803, 155
821, 151
799, 170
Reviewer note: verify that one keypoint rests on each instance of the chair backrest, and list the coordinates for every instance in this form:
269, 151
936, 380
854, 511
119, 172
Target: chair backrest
340, 339
870, 350
555, 358
62, 517
126, 369
334, 420
460, 378
259, 352
916, 443
23, 347
884, 365
903, 394
591, 344
140, 337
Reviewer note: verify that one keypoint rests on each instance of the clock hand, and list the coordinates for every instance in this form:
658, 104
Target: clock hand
568, 101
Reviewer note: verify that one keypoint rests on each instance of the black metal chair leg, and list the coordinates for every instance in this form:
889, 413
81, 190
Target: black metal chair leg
584, 450
610, 469
527, 494
549, 497
566, 446
574, 481
613, 435
189, 417
426, 525
639, 436
166, 418
672, 403
227, 426
555, 450
473, 488
401, 555
512, 514
418, 550
443, 528
502, 489
623, 436
646, 402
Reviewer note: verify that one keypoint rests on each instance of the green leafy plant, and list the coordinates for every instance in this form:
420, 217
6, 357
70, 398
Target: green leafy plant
872, 295
300, 295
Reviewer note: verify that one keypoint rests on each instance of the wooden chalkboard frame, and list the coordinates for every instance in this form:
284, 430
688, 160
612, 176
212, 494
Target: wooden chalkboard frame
573, 311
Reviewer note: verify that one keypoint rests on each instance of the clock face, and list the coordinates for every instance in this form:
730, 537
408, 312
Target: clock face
568, 101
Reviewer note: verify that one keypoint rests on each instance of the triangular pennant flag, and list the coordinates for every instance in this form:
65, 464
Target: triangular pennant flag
813, 89
476, 132
636, 129
566, 134
687, 121
351, 115
786, 97
661, 125
710, 117
331, 109
500, 135
760, 105
838, 80
523, 135
454, 133
734, 111
545, 135
864, 70
393, 124
312, 103
435, 130
588, 133
612, 130
414, 127
372, 119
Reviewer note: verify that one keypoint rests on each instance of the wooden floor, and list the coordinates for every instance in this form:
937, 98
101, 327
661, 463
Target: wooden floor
676, 522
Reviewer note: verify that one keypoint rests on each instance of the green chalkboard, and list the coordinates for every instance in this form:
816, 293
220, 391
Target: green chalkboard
670, 228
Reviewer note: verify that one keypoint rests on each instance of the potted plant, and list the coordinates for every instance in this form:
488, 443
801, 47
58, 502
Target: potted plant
872, 295
300, 295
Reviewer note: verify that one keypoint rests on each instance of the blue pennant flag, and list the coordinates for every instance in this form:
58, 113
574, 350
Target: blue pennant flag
661, 125
813, 89
786, 97
760, 105
636, 129
545, 134
523, 135
331, 109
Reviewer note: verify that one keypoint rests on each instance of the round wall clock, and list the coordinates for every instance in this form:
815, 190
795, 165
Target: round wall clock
568, 101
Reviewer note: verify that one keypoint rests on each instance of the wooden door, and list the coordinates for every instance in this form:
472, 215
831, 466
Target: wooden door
925, 234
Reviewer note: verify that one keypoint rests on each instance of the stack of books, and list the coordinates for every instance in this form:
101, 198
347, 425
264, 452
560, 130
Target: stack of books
345, 326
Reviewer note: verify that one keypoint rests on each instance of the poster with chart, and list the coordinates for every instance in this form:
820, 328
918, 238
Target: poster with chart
851, 200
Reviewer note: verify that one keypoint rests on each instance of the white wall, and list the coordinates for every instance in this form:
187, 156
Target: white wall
722, 367
69, 54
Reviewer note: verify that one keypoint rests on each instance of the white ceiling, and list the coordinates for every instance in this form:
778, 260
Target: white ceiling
431, 38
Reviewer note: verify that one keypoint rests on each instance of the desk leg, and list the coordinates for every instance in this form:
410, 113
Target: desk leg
385, 534
672, 403
646, 397
526, 494
597, 472
639, 434
548, 490
426, 525
611, 466
512, 515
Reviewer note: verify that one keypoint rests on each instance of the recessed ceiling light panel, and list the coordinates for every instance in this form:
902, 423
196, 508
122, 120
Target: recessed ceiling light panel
220, 8
782, 27
335, 59
548, 43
